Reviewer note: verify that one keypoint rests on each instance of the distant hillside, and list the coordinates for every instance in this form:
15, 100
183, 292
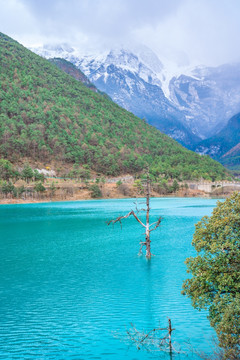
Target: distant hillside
232, 158
224, 146
233, 151
46, 114
72, 70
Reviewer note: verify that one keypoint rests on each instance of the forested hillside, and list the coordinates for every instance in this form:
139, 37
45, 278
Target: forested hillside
45, 114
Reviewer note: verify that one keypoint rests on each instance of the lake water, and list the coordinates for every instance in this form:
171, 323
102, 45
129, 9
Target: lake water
71, 285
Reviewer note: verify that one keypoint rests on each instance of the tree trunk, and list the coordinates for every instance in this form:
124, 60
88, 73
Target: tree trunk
148, 227
147, 233
170, 329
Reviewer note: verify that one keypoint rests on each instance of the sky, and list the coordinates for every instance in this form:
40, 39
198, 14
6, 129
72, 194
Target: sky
188, 32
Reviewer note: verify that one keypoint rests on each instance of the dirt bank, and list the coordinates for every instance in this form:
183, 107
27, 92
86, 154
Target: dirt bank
73, 191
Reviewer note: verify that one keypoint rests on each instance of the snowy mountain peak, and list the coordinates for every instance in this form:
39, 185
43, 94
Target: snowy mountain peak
58, 48
201, 99
143, 60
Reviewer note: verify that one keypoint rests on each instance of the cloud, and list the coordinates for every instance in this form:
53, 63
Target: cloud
210, 30
102, 21
102, 15
15, 17
205, 31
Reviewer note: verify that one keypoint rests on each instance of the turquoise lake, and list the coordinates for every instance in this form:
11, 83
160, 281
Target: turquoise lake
70, 285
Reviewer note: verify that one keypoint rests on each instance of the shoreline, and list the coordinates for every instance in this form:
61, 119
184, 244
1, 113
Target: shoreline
74, 191
40, 201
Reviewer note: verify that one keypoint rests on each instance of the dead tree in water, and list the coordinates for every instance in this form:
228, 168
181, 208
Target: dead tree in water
157, 339
148, 227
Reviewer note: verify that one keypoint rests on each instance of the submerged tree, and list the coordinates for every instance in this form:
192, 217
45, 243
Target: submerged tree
148, 227
157, 339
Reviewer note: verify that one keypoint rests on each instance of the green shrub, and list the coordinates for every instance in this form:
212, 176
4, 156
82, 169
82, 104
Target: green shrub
95, 191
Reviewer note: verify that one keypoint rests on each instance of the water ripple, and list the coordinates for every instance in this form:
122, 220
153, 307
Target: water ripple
68, 282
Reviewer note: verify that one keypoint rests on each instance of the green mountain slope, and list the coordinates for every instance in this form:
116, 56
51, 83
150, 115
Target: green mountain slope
45, 114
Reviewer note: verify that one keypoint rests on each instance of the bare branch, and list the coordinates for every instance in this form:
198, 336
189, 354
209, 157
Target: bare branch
148, 334
154, 340
124, 217
157, 224
140, 250
137, 209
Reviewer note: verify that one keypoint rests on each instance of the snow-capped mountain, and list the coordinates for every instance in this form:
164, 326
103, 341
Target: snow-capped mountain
135, 81
128, 79
190, 105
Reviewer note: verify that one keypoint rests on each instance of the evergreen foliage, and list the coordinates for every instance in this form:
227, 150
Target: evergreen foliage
6, 170
39, 187
215, 282
45, 113
27, 173
175, 186
95, 191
